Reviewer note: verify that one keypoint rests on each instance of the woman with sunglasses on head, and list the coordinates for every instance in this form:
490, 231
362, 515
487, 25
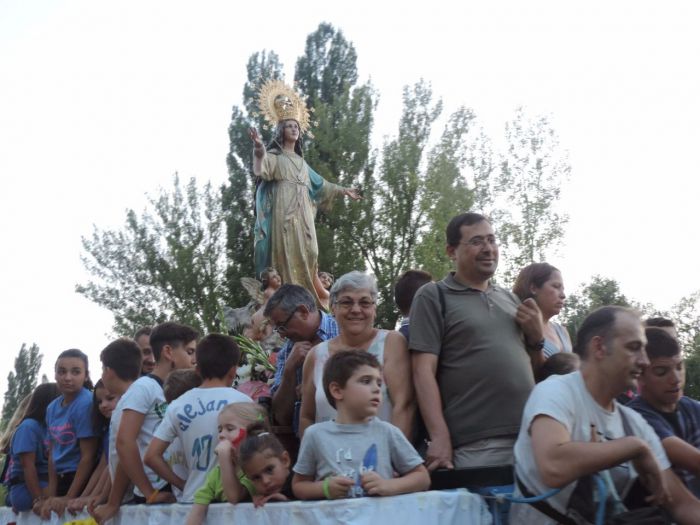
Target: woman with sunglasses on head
353, 303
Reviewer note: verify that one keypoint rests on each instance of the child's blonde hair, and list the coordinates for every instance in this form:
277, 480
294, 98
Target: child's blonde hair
248, 412
14, 422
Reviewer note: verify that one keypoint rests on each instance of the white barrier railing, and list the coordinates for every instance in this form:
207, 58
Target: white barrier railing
424, 508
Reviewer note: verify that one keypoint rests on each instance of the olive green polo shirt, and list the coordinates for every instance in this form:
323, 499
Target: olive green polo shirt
484, 372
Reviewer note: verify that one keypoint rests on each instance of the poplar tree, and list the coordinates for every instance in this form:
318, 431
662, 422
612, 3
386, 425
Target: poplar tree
22, 381
340, 148
533, 170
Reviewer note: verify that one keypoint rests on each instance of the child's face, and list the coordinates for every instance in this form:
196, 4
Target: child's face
70, 374
274, 281
267, 472
362, 393
230, 426
106, 401
184, 355
326, 280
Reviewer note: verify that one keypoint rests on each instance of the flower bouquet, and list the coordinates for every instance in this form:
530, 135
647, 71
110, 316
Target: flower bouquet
256, 370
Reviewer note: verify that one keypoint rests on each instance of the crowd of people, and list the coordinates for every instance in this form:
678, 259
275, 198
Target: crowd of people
476, 376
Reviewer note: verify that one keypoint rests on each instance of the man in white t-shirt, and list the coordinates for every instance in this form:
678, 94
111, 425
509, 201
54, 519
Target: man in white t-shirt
192, 418
572, 428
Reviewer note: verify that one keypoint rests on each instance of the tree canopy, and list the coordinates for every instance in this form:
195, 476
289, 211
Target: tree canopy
169, 262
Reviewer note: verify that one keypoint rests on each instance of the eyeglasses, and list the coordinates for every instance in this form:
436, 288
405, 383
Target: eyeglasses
481, 242
282, 327
347, 304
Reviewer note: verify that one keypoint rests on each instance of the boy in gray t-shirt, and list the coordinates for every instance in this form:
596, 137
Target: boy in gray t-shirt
356, 454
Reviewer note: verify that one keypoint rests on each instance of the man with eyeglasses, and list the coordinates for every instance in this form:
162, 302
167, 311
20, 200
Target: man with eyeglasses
472, 345
294, 315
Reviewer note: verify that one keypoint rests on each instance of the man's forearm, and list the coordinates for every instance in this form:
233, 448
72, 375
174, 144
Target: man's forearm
570, 461
284, 399
402, 416
430, 403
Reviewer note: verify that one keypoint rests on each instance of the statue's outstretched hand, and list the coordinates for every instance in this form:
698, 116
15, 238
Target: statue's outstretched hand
353, 193
255, 137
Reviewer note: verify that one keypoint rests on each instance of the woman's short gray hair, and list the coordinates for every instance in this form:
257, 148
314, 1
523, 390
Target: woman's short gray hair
354, 281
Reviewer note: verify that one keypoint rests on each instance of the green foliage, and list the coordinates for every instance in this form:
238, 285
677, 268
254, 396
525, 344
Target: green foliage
340, 149
482, 167
601, 291
532, 173
686, 315
444, 191
328, 66
168, 263
692, 373
394, 192
22, 381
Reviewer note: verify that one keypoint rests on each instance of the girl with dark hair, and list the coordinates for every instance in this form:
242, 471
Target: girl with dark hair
266, 465
29, 466
72, 440
97, 489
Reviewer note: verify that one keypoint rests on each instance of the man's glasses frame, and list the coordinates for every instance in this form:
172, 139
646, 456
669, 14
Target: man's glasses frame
282, 327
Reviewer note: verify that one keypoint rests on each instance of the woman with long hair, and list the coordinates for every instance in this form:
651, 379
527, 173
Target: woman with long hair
29, 464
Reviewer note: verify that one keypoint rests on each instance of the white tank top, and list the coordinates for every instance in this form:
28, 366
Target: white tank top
324, 410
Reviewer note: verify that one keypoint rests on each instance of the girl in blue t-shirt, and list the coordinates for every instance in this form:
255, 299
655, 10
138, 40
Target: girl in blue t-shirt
97, 489
72, 440
29, 463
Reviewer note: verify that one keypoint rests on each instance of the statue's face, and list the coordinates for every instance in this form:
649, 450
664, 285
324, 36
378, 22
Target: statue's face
283, 103
290, 130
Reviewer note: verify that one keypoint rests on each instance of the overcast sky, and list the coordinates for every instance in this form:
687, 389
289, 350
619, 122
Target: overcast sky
101, 102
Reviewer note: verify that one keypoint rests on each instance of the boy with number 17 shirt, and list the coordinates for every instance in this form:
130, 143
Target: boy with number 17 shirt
192, 418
